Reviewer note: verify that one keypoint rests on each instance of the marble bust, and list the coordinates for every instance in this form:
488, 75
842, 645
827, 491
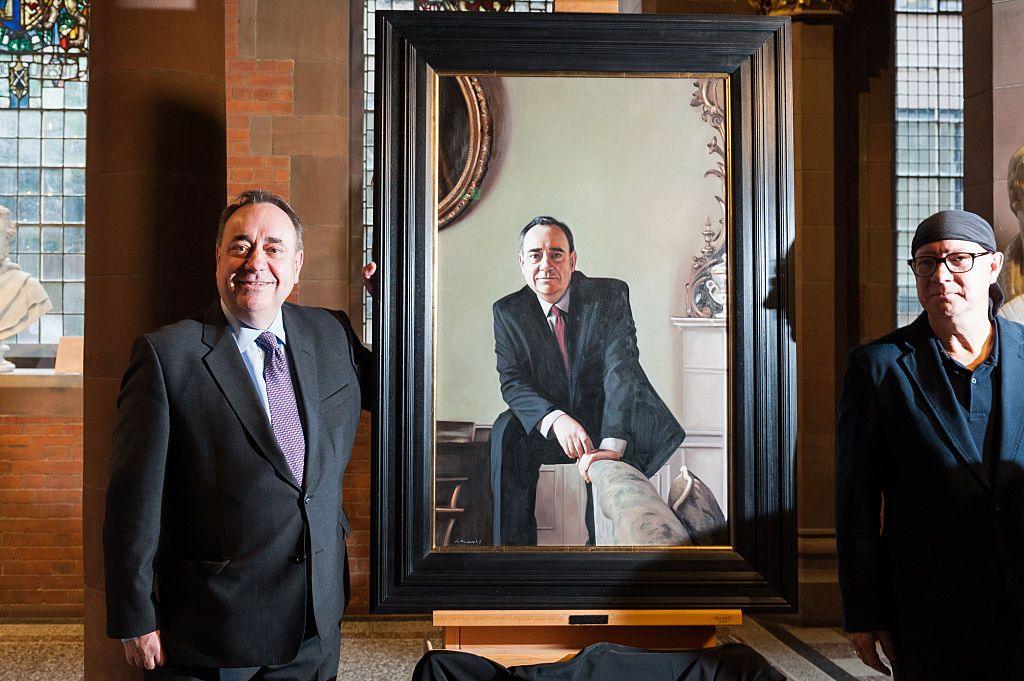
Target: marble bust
22, 298
1011, 279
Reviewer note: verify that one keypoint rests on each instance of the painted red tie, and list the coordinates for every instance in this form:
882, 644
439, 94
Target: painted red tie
284, 412
560, 334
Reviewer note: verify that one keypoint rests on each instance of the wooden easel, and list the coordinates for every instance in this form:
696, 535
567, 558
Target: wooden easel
514, 637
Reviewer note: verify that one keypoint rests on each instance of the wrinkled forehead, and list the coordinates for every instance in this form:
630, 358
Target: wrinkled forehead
949, 246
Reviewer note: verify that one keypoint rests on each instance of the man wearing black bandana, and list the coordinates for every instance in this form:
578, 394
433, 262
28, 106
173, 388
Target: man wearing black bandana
930, 472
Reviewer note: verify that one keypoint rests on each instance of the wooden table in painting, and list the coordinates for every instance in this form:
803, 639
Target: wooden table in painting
464, 466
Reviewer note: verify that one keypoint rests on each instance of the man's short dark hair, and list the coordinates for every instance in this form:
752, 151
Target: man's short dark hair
547, 220
254, 196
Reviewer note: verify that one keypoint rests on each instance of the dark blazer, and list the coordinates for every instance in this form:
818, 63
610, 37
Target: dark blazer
207, 535
606, 390
951, 547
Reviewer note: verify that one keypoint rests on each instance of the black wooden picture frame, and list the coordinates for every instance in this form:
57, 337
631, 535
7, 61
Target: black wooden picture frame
759, 571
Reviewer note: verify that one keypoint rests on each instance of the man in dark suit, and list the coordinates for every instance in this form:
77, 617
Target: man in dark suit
929, 477
224, 533
570, 373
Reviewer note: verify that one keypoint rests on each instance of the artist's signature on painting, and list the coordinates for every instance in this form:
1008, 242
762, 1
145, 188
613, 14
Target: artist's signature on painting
471, 542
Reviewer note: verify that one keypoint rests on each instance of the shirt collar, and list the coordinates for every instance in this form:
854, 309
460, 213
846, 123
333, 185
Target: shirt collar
245, 335
562, 303
993, 356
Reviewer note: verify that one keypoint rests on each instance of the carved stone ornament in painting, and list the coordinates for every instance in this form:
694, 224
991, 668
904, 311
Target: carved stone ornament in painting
707, 288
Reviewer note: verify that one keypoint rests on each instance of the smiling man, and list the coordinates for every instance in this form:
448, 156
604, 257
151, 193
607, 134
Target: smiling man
929, 476
570, 373
224, 533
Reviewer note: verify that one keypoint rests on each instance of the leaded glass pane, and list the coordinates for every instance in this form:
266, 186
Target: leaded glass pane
52, 185
74, 325
52, 241
51, 328
929, 126
52, 269
8, 151
74, 267
43, 74
74, 240
74, 297
56, 295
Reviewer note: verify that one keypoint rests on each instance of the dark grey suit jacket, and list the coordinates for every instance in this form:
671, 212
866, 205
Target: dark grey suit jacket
207, 535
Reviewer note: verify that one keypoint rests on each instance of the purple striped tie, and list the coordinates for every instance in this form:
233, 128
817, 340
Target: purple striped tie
284, 413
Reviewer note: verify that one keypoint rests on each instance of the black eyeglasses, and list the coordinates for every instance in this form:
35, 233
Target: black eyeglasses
957, 263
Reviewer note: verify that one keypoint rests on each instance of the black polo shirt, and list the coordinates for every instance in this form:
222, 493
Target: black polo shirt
976, 392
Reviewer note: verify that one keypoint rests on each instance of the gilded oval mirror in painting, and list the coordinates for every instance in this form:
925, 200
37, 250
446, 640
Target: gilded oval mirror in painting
464, 145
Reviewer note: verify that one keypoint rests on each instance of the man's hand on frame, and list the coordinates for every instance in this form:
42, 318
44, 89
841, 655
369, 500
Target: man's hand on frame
144, 652
584, 462
571, 436
370, 279
864, 645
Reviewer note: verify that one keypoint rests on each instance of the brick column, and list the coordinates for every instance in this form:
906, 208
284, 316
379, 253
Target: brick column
294, 126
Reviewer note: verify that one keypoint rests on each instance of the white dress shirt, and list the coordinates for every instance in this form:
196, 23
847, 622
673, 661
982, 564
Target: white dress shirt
252, 354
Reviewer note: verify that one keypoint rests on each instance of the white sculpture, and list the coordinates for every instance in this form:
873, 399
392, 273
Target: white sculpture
22, 298
1011, 279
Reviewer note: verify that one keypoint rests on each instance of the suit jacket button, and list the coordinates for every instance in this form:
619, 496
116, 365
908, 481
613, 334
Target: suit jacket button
992, 561
297, 559
308, 498
996, 507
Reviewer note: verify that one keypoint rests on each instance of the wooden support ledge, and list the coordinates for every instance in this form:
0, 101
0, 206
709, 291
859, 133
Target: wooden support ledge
515, 637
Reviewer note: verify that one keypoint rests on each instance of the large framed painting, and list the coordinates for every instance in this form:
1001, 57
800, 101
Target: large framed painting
583, 329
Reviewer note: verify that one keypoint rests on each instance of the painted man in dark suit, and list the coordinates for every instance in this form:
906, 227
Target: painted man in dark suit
929, 477
570, 372
224, 534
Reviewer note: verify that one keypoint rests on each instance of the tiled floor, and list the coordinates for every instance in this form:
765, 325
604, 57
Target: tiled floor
388, 651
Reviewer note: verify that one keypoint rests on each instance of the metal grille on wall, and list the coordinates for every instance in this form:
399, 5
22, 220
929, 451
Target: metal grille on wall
43, 81
929, 126
369, 15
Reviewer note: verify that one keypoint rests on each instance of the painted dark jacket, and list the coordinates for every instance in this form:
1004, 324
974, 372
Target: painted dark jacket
606, 389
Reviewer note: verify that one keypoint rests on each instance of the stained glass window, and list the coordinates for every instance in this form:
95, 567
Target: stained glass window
43, 80
929, 126
369, 17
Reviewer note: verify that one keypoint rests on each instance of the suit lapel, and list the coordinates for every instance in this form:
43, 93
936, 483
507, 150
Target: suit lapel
225, 364
1011, 360
924, 368
578, 329
303, 359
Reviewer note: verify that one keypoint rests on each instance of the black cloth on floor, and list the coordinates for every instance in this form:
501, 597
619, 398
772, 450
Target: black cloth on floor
607, 662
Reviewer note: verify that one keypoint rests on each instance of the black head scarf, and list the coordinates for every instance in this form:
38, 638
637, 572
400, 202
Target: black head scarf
963, 226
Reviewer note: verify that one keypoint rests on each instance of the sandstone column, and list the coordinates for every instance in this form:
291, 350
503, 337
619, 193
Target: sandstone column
993, 107
155, 179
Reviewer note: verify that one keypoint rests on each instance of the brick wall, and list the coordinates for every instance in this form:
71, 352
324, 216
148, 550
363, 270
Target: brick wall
40, 516
289, 92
